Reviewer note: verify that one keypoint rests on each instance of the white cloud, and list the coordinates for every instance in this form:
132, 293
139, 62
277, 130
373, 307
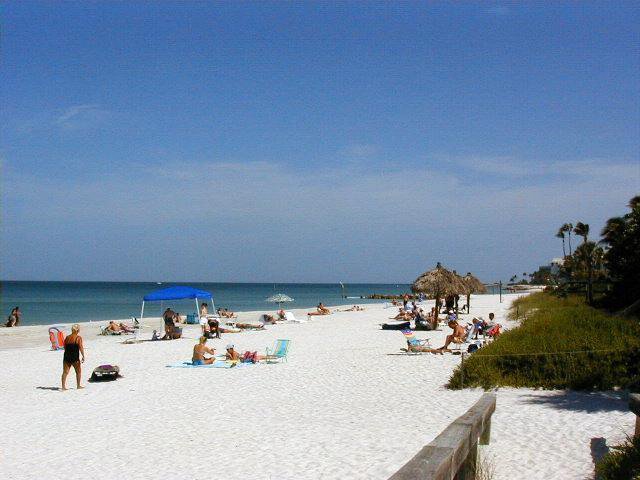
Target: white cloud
78, 116
359, 151
354, 222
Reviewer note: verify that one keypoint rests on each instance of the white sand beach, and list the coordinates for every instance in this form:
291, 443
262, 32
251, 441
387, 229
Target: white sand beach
347, 404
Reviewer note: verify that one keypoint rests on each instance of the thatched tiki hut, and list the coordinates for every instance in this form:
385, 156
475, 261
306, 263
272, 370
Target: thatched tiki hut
473, 286
439, 283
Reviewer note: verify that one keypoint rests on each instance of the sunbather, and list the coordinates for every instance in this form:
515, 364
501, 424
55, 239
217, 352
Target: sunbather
247, 326
281, 315
355, 308
403, 315
113, 327
231, 353
199, 351
125, 328
320, 310
246, 357
457, 336
268, 319
223, 312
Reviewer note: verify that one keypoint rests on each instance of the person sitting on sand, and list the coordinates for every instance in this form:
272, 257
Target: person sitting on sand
14, 317
231, 354
169, 326
268, 319
113, 328
199, 351
457, 336
211, 328
320, 310
223, 312
246, 357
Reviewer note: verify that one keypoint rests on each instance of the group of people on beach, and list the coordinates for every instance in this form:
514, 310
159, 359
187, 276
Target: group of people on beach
200, 352
459, 333
413, 312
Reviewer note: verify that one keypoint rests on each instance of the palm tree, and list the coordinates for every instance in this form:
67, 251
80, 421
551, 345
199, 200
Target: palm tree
560, 234
612, 230
590, 255
582, 230
568, 227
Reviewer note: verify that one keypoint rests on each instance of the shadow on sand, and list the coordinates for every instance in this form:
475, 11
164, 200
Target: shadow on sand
589, 402
55, 389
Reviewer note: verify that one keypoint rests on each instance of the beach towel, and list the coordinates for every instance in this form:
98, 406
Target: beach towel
216, 364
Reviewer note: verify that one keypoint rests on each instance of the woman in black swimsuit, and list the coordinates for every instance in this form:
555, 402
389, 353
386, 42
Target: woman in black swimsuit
72, 349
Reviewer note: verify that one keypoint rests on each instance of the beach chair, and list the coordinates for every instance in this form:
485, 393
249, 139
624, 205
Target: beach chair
279, 352
413, 341
290, 317
56, 337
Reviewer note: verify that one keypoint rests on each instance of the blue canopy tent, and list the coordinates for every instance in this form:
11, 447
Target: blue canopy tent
177, 293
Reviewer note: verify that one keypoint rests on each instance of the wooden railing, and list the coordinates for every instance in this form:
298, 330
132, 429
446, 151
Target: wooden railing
453, 453
634, 406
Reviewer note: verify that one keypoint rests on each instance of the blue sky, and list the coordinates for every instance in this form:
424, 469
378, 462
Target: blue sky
310, 141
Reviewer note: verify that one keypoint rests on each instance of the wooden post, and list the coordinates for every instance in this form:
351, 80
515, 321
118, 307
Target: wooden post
462, 370
453, 453
468, 469
485, 437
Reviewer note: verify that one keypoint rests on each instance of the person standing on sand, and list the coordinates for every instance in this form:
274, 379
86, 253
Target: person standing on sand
73, 347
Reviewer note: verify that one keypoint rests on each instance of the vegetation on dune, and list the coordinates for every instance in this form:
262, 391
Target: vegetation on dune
561, 343
622, 462
611, 265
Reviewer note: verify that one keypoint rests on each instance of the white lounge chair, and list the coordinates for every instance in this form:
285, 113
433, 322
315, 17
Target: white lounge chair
290, 317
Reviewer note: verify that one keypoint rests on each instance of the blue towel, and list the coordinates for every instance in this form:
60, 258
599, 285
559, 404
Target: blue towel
216, 364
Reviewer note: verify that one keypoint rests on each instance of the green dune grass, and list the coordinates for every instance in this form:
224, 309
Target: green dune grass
579, 347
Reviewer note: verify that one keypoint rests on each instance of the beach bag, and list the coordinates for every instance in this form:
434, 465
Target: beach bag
105, 373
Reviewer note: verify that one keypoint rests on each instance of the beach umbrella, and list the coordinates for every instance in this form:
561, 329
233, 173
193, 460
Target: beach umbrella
279, 298
439, 283
473, 286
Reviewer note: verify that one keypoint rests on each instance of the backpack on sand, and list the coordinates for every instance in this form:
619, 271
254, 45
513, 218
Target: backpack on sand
105, 373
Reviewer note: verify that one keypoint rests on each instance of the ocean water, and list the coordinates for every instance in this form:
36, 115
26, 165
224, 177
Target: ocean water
48, 303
